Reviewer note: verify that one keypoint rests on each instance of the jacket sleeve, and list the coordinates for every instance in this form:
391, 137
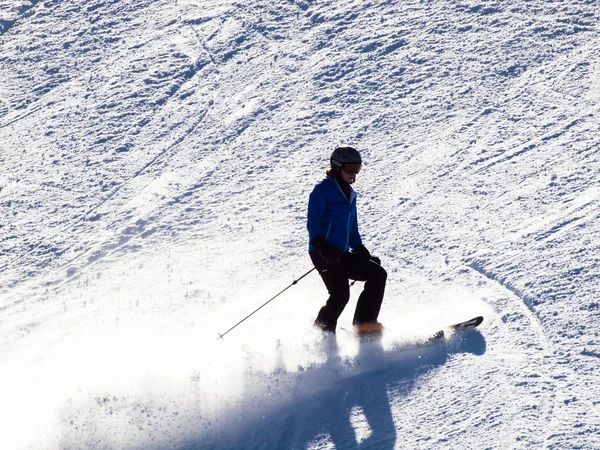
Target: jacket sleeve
355, 238
317, 203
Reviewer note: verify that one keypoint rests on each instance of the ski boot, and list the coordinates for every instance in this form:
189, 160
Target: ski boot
368, 330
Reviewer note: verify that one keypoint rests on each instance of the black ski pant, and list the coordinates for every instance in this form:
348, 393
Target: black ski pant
354, 267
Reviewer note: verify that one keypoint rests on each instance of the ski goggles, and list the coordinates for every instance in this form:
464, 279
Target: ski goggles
351, 168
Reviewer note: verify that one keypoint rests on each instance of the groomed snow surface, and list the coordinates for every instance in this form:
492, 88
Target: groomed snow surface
156, 159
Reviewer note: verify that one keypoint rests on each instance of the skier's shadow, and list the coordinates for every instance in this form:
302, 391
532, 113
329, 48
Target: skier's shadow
356, 412
349, 405
365, 398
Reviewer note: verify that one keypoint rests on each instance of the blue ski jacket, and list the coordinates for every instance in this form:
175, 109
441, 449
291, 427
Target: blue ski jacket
333, 216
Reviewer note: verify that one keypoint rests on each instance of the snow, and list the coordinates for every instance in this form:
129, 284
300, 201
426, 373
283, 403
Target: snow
155, 163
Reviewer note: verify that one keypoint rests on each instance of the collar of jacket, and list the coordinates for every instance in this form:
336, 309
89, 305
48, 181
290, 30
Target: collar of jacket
340, 190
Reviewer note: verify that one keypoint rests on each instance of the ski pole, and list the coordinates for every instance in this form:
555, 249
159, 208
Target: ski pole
264, 304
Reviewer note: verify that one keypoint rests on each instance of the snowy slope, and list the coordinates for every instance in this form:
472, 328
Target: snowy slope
155, 163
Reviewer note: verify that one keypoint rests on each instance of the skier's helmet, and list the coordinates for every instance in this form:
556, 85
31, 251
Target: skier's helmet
345, 155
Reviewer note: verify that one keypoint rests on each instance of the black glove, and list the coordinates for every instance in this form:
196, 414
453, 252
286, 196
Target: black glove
362, 251
330, 255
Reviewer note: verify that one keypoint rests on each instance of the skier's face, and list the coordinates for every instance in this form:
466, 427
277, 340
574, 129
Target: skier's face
348, 177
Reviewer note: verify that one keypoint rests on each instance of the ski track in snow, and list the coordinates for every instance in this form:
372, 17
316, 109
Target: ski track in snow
155, 163
543, 342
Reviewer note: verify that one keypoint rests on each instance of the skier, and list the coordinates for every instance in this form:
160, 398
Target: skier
336, 248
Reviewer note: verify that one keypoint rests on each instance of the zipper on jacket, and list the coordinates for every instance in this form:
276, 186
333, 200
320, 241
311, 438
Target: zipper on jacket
348, 233
328, 229
349, 200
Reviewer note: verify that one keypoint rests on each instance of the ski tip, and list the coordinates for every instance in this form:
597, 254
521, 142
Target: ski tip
472, 323
435, 337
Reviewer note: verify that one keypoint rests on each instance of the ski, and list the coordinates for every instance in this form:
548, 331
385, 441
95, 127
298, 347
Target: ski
438, 335
472, 323
467, 324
